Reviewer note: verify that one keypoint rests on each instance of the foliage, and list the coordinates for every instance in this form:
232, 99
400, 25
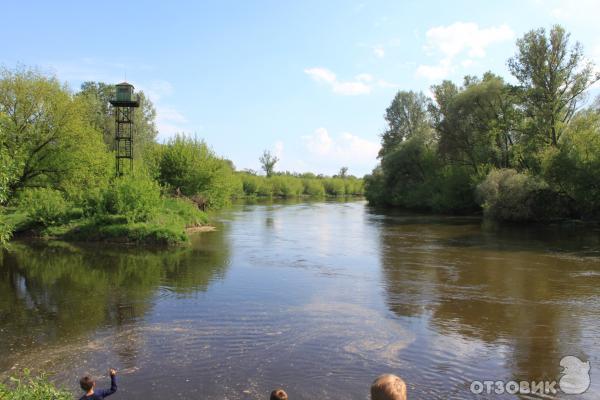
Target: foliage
6, 230
313, 187
135, 197
553, 77
32, 388
188, 166
573, 169
334, 186
45, 207
295, 185
527, 152
185, 210
508, 195
476, 123
45, 136
267, 162
284, 186
406, 117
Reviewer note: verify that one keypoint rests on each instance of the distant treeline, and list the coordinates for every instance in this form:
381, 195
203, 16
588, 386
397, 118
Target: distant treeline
519, 152
297, 185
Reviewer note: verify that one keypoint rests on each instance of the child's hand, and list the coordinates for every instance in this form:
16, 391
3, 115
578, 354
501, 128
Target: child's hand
112, 372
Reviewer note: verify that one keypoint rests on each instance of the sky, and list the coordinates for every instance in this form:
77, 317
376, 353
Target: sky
307, 80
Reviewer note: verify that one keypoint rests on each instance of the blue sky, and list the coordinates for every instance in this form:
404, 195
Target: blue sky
309, 80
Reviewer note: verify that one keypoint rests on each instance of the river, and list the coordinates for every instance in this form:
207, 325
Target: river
315, 297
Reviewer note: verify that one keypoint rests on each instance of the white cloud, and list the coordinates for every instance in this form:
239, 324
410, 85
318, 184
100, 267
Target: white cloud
459, 39
362, 83
345, 149
435, 72
348, 88
379, 51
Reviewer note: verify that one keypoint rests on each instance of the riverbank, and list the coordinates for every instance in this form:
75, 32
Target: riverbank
170, 226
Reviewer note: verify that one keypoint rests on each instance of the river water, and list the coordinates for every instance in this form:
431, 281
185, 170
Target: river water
318, 298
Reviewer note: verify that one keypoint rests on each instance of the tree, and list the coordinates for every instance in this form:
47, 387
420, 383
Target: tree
268, 161
46, 140
343, 173
476, 123
553, 77
406, 116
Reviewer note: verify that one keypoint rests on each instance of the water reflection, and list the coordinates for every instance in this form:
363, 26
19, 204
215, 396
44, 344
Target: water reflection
523, 292
54, 293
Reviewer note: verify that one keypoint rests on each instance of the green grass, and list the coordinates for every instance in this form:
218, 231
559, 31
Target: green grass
167, 228
32, 388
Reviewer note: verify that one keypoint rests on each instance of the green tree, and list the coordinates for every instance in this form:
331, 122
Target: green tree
268, 161
476, 124
45, 136
343, 172
553, 76
406, 116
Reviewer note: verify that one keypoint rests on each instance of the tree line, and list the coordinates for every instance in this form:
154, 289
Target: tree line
523, 151
57, 166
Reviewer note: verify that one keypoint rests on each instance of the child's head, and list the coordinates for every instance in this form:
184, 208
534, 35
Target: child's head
87, 383
388, 387
278, 394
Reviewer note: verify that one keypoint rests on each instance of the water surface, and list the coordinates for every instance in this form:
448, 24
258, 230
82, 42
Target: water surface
318, 298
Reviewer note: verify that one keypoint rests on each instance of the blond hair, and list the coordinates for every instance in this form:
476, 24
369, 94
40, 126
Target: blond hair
388, 387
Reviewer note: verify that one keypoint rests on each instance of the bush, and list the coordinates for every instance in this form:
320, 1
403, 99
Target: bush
137, 198
32, 388
334, 186
265, 187
6, 230
46, 207
186, 210
508, 195
453, 191
188, 166
286, 186
313, 187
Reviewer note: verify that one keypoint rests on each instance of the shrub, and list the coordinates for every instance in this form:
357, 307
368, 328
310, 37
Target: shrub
32, 388
44, 206
313, 187
137, 198
334, 186
6, 230
375, 189
186, 210
190, 167
265, 187
250, 184
452, 191
508, 195
286, 186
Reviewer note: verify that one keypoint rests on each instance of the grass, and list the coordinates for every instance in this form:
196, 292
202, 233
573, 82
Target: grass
167, 227
32, 388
